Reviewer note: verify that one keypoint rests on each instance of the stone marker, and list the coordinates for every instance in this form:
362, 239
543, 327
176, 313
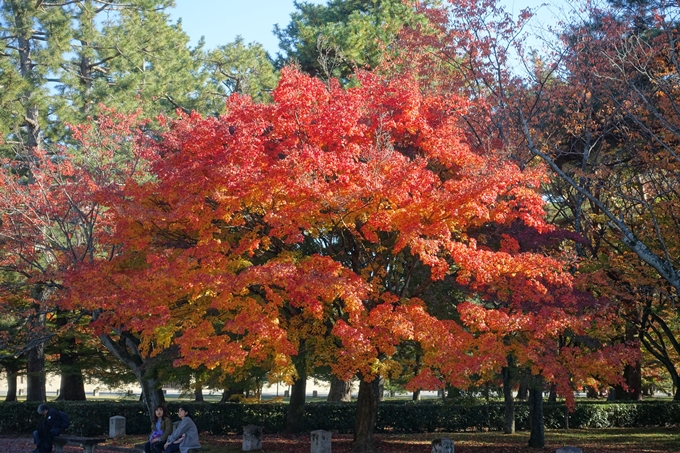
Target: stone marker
443, 445
315, 394
116, 426
252, 438
321, 441
569, 449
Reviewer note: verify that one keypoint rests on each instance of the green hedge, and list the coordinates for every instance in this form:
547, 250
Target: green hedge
92, 418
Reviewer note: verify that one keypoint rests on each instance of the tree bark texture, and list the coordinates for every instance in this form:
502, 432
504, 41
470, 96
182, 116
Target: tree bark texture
27, 70
537, 436
523, 391
12, 372
72, 387
509, 425
295, 421
198, 393
35, 374
35, 357
340, 391
125, 350
367, 411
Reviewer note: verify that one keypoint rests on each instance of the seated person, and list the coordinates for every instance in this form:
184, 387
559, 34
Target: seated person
185, 437
48, 429
161, 428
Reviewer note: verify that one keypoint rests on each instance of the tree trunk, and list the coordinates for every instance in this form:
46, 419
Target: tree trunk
522, 391
72, 386
12, 371
381, 388
591, 392
35, 357
367, 412
340, 390
125, 350
633, 377
151, 392
452, 393
416, 371
552, 398
28, 72
632, 374
198, 393
231, 391
537, 437
295, 420
258, 389
35, 374
509, 426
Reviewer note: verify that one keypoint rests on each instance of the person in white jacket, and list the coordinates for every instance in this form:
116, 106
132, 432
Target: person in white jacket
185, 436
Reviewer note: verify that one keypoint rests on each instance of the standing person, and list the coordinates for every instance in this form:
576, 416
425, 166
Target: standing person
48, 428
185, 437
161, 428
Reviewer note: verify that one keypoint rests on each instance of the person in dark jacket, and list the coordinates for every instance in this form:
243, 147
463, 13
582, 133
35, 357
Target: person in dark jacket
48, 428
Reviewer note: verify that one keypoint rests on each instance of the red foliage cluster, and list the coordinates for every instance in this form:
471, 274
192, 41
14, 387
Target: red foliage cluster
299, 221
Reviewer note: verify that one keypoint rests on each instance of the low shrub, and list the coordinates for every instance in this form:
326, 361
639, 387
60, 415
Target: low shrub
92, 418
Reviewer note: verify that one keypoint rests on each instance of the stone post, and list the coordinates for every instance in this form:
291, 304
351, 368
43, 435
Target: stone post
321, 441
443, 445
116, 426
252, 438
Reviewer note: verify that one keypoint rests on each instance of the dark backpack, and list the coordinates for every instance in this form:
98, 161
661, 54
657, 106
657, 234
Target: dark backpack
65, 422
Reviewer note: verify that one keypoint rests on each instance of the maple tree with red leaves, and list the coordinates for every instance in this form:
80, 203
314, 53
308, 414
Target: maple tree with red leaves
52, 224
316, 223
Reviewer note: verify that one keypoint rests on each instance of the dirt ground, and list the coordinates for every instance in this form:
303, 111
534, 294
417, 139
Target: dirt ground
26, 445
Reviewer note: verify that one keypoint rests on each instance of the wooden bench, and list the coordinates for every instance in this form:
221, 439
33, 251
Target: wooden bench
88, 443
140, 447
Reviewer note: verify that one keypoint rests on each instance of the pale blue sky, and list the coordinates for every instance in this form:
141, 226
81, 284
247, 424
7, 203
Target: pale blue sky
219, 21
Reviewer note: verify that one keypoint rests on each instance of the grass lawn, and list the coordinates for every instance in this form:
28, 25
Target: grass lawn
639, 440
